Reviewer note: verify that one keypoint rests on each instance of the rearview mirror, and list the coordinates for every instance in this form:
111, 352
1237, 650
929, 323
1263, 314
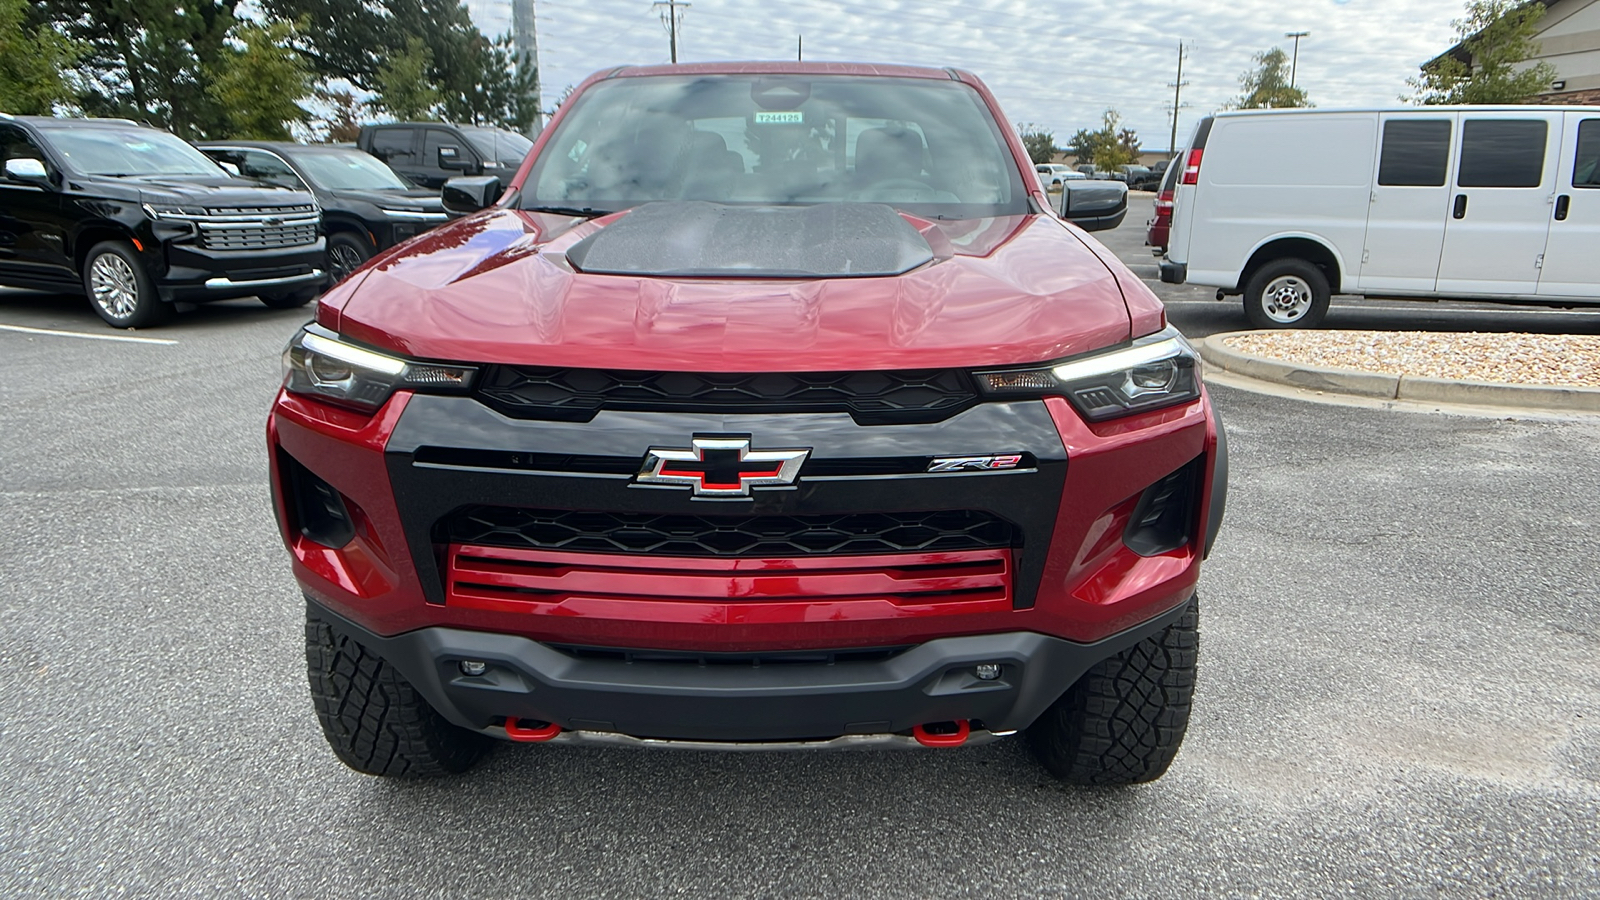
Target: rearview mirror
1094, 205
468, 195
24, 169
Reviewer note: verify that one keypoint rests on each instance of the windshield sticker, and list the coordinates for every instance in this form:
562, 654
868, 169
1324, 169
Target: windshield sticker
795, 117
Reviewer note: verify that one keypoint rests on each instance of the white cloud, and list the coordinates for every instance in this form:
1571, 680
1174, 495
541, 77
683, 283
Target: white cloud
1057, 64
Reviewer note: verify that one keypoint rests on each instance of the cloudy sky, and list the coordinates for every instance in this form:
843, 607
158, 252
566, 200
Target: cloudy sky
1058, 64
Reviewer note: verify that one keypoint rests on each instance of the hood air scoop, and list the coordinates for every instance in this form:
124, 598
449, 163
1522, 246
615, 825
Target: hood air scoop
694, 238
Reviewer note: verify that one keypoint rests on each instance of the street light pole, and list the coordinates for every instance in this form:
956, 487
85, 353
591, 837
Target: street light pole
1297, 35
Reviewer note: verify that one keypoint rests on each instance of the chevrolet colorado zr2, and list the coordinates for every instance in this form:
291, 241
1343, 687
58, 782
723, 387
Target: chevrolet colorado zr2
769, 406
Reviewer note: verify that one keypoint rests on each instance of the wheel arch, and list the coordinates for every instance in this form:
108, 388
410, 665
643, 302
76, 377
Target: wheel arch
94, 233
1308, 247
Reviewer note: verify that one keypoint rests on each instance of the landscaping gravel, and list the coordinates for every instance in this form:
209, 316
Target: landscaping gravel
1561, 360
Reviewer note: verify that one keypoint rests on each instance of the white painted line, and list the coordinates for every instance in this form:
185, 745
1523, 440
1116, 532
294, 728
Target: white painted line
1507, 309
91, 337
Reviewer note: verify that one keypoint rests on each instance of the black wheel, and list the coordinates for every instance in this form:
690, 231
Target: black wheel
374, 719
1287, 293
118, 288
291, 300
1123, 721
346, 252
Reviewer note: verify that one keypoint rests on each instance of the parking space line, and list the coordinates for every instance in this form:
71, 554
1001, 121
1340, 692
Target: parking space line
91, 337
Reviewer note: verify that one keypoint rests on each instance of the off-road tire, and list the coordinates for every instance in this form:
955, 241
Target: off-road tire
291, 299
139, 306
1123, 721
1256, 300
373, 718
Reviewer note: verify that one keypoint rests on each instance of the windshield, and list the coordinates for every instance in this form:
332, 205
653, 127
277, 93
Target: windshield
497, 144
102, 150
927, 146
348, 170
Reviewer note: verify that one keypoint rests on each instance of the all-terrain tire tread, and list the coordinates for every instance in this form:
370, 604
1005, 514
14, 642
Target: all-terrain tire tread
374, 720
1123, 721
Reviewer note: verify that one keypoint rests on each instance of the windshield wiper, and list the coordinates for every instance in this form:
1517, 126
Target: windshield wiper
585, 211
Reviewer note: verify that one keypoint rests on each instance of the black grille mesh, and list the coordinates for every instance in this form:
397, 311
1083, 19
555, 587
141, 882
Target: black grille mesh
745, 536
576, 394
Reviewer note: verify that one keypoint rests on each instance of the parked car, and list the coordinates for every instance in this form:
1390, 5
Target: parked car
138, 219
1159, 227
608, 462
366, 207
1090, 171
1287, 207
1150, 179
1051, 175
429, 153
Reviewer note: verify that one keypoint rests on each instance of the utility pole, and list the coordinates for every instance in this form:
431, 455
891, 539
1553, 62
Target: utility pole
1297, 35
672, 19
525, 41
1177, 100
800, 48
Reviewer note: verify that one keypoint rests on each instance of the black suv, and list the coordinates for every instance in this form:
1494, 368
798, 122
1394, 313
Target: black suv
430, 153
366, 207
138, 219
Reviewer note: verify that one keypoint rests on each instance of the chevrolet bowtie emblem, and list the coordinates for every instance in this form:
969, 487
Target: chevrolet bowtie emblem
721, 467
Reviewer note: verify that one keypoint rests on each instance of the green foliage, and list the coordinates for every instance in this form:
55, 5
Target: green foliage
402, 83
259, 87
150, 59
1109, 146
477, 80
34, 60
1497, 35
1041, 145
1267, 85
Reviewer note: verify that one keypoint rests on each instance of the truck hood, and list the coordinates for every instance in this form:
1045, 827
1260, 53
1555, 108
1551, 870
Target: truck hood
499, 287
218, 192
396, 198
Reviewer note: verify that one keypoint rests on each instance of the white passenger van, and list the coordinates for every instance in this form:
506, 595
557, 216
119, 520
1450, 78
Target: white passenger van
1287, 207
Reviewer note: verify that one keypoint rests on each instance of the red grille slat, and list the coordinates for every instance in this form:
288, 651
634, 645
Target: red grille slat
801, 589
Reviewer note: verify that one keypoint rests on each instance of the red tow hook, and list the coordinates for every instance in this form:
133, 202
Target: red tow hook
952, 739
547, 731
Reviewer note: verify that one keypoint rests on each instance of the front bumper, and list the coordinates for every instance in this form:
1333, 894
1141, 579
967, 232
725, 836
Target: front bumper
704, 700
193, 274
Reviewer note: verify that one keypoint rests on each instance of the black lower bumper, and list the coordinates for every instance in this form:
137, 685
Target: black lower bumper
931, 682
195, 275
1174, 273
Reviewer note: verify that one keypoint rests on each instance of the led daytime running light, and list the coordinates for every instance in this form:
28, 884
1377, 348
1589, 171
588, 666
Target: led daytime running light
1120, 360
355, 356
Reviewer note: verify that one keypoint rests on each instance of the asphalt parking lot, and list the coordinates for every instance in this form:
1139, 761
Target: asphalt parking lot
1398, 697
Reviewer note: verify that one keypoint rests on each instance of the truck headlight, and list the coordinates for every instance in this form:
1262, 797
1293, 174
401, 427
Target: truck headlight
318, 363
1151, 372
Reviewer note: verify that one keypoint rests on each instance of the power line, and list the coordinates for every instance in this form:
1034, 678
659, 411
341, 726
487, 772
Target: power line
673, 20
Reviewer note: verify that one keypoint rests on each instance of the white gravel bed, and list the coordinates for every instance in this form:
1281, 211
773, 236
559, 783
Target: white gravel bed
1562, 360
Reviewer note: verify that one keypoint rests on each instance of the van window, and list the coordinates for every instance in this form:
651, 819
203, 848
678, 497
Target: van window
1586, 172
1416, 153
1502, 153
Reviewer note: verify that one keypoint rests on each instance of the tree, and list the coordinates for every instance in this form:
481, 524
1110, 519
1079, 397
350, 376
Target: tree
1267, 85
34, 61
1496, 37
260, 86
1109, 146
402, 83
1040, 144
343, 121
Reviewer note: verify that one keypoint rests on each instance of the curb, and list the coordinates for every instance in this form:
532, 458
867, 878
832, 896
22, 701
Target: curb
1396, 387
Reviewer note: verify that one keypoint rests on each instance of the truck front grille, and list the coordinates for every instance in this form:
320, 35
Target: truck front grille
744, 536
261, 234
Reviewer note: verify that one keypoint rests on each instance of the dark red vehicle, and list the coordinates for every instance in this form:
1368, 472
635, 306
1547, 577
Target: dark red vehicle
769, 407
1160, 227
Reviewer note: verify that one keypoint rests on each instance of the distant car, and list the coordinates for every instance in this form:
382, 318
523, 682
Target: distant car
1090, 171
366, 207
1126, 173
1150, 179
1051, 175
139, 220
1160, 227
430, 153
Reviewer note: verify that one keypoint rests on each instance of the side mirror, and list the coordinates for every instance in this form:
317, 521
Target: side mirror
29, 170
450, 158
1094, 205
468, 195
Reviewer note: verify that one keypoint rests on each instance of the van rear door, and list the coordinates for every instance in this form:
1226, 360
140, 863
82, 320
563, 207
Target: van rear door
1572, 255
1500, 210
1410, 202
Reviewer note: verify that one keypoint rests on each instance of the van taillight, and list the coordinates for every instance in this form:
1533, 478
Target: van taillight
1191, 169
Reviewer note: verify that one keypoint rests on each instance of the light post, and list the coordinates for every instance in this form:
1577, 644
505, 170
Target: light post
1297, 35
